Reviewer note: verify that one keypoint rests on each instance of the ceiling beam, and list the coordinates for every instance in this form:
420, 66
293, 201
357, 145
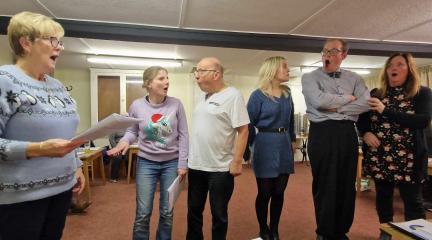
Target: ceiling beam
277, 42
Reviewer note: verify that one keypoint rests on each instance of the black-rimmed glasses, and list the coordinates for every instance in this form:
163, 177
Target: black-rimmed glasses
331, 52
54, 41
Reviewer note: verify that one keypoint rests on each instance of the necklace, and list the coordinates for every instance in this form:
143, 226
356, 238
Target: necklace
46, 88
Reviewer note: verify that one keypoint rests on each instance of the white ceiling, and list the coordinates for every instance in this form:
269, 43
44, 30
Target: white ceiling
379, 20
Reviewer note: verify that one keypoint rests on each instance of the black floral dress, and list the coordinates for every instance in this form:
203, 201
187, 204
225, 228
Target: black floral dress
393, 160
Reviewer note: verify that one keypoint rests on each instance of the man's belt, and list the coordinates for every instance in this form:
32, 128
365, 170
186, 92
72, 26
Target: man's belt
275, 130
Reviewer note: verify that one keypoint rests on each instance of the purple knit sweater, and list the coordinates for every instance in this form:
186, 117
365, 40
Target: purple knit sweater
163, 135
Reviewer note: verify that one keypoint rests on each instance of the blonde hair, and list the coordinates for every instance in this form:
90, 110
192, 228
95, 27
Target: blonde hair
150, 73
267, 73
31, 25
412, 83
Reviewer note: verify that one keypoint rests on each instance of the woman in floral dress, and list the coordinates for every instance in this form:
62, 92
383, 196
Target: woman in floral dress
393, 133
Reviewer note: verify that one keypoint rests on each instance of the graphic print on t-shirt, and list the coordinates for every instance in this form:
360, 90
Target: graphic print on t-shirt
158, 129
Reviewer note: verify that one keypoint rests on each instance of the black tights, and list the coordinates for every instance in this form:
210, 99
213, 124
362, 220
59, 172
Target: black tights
273, 188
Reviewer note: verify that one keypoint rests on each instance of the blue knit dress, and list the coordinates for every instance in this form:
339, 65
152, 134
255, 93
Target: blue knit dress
272, 151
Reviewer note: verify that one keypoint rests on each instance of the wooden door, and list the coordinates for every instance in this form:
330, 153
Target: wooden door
133, 91
108, 96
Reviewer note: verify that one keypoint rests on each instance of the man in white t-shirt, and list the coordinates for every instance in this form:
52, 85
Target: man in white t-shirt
216, 154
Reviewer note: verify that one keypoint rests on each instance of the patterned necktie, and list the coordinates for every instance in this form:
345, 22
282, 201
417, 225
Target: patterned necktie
334, 74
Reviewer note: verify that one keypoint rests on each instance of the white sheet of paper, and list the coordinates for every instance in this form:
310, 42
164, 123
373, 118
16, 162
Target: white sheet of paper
174, 191
419, 227
113, 123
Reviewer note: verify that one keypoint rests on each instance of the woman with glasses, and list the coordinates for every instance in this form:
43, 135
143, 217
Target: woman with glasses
393, 131
271, 111
164, 146
39, 170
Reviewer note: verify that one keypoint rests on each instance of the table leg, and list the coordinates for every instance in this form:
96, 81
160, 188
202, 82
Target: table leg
359, 173
102, 169
87, 181
129, 167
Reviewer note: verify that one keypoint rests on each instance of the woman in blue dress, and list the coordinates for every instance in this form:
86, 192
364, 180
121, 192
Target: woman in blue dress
271, 112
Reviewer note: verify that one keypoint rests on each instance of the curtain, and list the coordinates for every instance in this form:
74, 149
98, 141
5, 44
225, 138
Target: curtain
426, 76
372, 80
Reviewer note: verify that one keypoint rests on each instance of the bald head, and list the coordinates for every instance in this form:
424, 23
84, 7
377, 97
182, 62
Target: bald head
209, 75
213, 63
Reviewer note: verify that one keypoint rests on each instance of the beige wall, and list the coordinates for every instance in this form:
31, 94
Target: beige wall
247, 84
6, 58
181, 87
297, 96
79, 79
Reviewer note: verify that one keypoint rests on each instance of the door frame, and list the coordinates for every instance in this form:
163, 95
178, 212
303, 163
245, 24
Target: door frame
94, 75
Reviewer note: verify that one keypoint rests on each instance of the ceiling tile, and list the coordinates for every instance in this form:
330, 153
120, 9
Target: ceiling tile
9, 8
272, 16
422, 34
147, 12
367, 19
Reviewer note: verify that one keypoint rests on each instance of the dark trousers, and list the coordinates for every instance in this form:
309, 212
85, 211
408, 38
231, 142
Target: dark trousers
42, 219
220, 186
115, 165
411, 194
333, 153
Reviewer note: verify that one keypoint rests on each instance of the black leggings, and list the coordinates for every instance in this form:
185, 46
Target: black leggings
411, 194
273, 188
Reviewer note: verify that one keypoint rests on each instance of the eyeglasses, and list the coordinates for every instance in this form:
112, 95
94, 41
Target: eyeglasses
54, 41
331, 52
200, 72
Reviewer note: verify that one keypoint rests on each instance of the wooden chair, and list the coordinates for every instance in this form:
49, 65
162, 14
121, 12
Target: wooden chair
133, 150
90, 170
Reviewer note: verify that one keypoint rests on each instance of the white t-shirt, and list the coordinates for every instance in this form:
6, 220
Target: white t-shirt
213, 130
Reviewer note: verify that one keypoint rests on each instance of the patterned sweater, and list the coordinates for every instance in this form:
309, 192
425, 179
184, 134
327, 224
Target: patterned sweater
163, 135
33, 111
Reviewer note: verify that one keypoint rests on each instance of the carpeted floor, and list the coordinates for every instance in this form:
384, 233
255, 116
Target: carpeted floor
112, 213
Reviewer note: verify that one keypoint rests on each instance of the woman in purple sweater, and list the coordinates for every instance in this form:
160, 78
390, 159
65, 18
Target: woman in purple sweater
163, 143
